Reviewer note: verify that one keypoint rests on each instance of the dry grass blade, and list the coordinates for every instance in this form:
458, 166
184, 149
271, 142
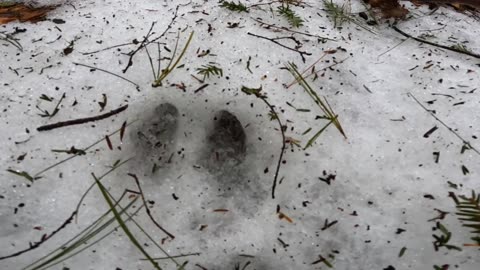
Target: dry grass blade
9, 39
122, 223
69, 248
323, 104
161, 75
77, 153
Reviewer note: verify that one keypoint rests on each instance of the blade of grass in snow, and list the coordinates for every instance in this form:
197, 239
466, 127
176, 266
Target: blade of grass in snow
314, 138
11, 40
86, 234
78, 153
91, 231
122, 223
165, 72
324, 105
116, 166
69, 255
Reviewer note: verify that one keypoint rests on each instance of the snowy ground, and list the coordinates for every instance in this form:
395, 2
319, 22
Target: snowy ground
387, 181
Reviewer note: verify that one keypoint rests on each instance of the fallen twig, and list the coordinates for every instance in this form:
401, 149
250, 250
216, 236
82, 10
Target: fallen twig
466, 143
274, 40
453, 49
82, 120
146, 42
45, 237
290, 30
146, 207
111, 73
256, 92
201, 88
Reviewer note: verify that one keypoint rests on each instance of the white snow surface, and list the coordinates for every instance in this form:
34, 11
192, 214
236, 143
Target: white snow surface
384, 168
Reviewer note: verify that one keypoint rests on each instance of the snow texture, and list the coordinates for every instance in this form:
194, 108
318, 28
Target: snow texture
199, 154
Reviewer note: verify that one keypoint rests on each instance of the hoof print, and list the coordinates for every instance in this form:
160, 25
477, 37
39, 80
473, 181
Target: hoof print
227, 141
155, 135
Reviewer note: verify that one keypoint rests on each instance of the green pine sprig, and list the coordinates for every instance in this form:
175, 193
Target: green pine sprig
293, 19
210, 69
468, 212
232, 6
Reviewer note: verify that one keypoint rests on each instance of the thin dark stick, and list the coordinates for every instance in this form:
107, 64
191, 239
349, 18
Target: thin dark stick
302, 53
45, 237
82, 120
111, 73
290, 30
257, 93
445, 125
146, 42
142, 44
146, 207
277, 170
108, 48
389, 50
435, 44
201, 88
175, 256
169, 26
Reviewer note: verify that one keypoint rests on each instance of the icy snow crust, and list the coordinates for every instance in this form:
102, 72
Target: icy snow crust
383, 169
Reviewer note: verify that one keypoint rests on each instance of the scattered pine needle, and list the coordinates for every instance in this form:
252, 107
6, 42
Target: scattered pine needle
281, 215
220, 210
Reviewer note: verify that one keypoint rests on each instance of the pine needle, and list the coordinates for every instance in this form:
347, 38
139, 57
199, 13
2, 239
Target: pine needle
329, 114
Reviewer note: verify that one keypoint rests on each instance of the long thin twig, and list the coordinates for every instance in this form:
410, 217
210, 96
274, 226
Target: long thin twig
453, 49
108, 48
141, 46
78, 153
465, 142
302, 53
268, 25
146, 42
45, 237
111, 73
146, 207
82, 120
175, 256
256, 92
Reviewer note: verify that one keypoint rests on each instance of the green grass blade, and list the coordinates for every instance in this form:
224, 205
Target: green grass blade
83, 242
314, 138
85, 235
122, 223
171, 67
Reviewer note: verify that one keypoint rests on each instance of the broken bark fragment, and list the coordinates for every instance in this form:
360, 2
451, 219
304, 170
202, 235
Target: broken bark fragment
23, 13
